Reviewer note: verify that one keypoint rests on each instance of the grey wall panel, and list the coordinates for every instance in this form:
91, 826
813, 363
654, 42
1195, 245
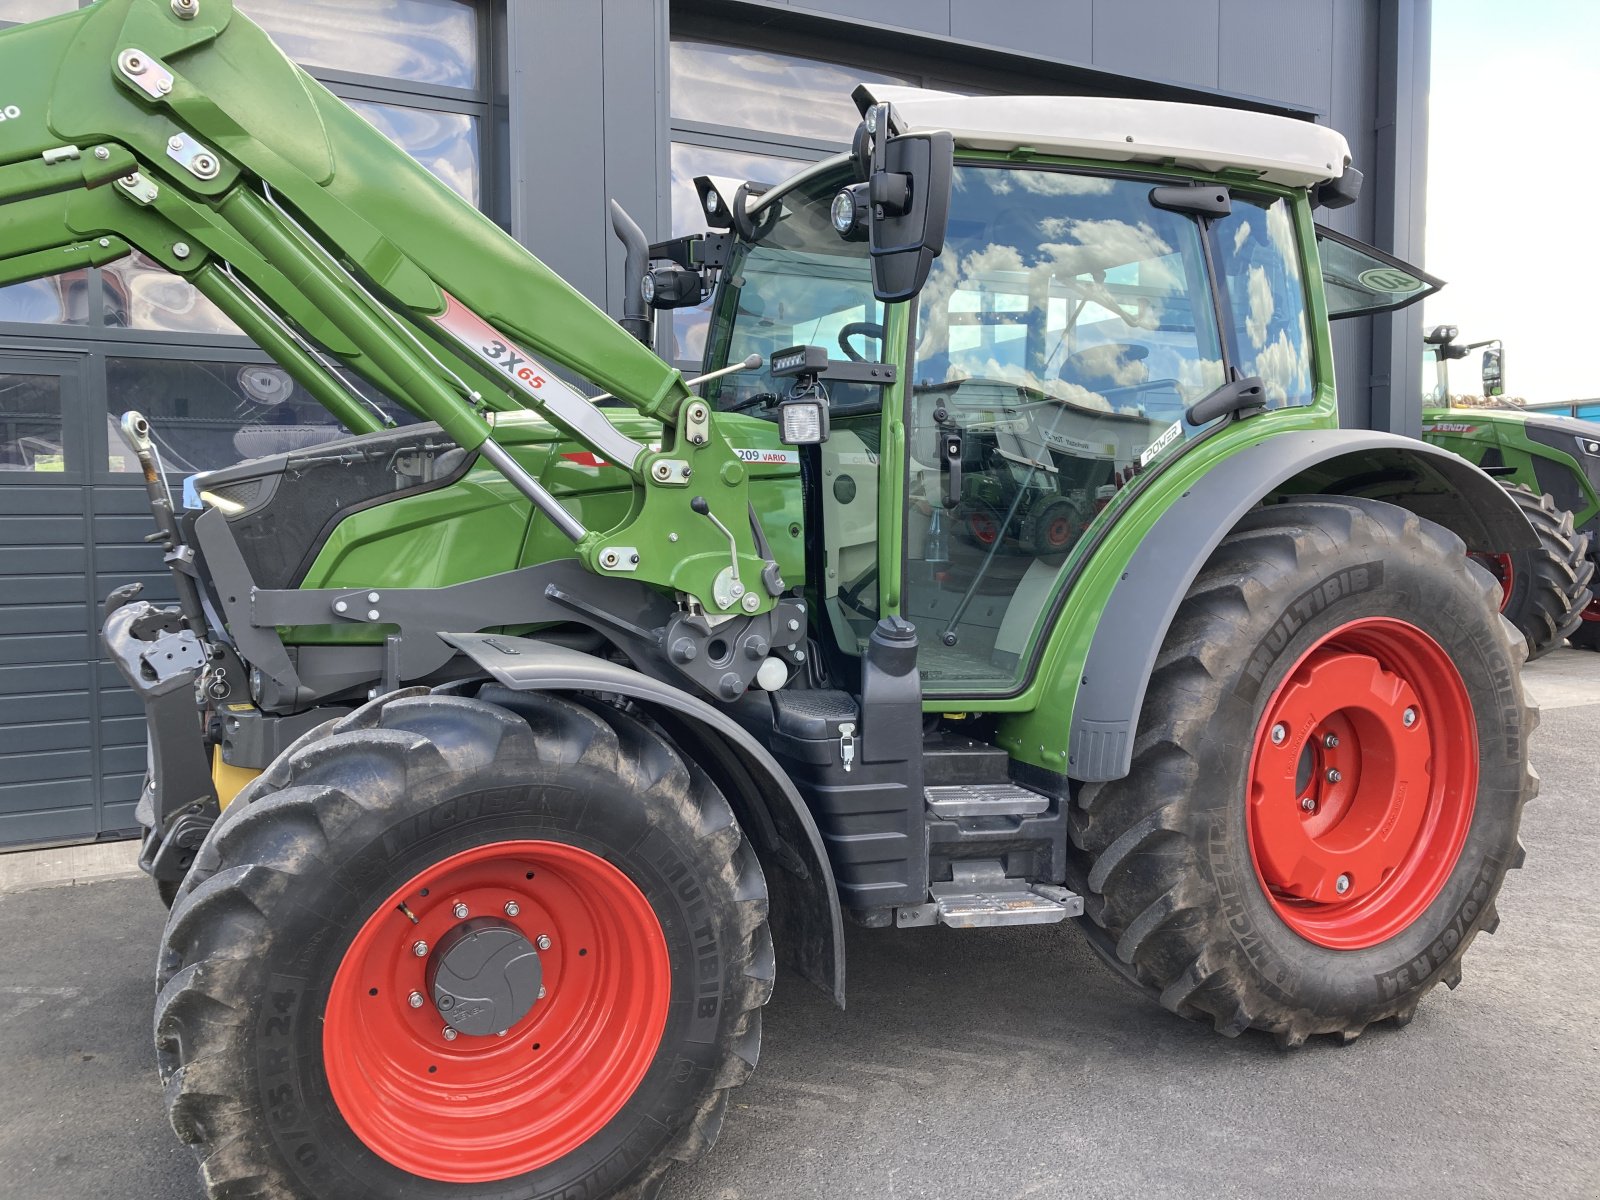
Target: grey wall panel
635, 65
41, 531
32, 707
1166, 39
52, 648
930, 16
63, 677
1277, 49
1354, 95
1058, 28
41, 560
557, 91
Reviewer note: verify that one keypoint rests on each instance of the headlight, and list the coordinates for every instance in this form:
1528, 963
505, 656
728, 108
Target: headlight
804, 421
848, 213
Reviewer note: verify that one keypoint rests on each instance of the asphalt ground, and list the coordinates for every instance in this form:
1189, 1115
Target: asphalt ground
992, 1065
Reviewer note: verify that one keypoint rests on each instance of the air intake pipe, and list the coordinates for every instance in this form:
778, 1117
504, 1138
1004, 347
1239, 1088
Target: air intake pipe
635, 313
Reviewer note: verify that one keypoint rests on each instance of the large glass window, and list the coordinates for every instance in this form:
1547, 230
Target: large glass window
447, 143
60, 300
778, 94
30, 424
420, 41
1062, 334
141, 294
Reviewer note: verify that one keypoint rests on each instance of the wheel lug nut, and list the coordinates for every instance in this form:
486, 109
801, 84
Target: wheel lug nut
1333, 775
1280, 731
415, 1000
541, 993
420, 949
1342, 884
1308, 804
1409, 717
449, 1034
544, 941
513, 908
1331, 741
460, 911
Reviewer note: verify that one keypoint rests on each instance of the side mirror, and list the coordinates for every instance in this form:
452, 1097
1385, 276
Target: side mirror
1494, 363
905, 201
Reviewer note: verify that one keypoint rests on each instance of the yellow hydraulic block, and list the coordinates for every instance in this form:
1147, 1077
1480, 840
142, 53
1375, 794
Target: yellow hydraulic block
228, 779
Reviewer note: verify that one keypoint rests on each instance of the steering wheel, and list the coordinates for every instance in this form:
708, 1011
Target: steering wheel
869, 329
759, 400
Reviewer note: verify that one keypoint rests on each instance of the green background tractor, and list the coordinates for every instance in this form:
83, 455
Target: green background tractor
500, 752
1550, 466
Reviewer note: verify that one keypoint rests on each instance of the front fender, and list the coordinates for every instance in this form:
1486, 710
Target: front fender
808, 926
1429, 481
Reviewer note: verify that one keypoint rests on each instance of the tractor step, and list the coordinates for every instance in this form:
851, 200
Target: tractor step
983, 800
981, 895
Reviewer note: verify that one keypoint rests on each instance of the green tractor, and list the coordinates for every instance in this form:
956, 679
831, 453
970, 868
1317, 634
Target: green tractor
1551, 467
500, 753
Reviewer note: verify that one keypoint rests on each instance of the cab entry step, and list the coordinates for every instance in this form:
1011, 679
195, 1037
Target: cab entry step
980, 895
983, 800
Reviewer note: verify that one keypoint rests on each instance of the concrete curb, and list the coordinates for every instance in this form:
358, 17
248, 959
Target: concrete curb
68, 866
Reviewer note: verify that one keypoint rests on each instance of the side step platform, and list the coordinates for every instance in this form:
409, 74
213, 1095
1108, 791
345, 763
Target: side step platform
980, 895
983, 800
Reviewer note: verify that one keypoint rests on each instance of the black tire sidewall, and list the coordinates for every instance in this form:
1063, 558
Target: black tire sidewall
446, 816
1358, 580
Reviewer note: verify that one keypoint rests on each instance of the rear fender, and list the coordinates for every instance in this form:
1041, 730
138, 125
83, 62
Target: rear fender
807, 924
1429, 481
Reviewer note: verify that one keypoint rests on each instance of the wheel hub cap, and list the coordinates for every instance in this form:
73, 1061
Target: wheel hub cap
484, 977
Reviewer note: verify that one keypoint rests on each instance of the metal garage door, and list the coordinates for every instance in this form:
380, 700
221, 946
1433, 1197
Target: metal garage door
71, 737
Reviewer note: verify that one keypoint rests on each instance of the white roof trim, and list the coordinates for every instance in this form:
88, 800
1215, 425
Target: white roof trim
1284, 150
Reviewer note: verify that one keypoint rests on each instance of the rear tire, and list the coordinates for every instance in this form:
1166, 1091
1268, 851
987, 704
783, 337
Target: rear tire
295, 1065
1544, 590
1211, 885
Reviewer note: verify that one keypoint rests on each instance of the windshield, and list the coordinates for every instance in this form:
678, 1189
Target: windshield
800, 285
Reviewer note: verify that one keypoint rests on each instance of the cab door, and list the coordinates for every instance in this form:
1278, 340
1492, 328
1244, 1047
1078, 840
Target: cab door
1071, 322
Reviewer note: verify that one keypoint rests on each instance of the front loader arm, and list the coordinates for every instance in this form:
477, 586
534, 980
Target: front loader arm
180, 129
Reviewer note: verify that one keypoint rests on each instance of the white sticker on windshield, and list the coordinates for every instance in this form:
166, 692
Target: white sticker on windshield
1173, 433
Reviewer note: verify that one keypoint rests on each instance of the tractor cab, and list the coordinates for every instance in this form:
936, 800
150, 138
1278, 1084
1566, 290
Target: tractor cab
1066, 341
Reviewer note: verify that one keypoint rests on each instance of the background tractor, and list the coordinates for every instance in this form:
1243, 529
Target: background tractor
498, 754
1551, 467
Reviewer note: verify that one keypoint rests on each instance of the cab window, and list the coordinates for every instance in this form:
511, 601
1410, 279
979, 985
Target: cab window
1268, 334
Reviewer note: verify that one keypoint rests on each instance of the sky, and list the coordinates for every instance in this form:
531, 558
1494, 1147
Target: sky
1513, 220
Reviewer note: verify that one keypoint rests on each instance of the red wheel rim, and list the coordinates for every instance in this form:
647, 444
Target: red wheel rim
1355, 817
1499, 565
480, 1109
1058, 533
984, 528
1591, 611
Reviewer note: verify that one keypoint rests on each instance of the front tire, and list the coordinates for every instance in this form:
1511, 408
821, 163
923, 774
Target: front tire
1329, 774
306, 1046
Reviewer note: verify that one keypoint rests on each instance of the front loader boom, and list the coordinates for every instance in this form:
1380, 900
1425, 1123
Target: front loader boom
180, 130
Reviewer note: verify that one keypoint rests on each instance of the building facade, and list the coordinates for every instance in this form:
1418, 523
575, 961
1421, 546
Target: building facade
538, 111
